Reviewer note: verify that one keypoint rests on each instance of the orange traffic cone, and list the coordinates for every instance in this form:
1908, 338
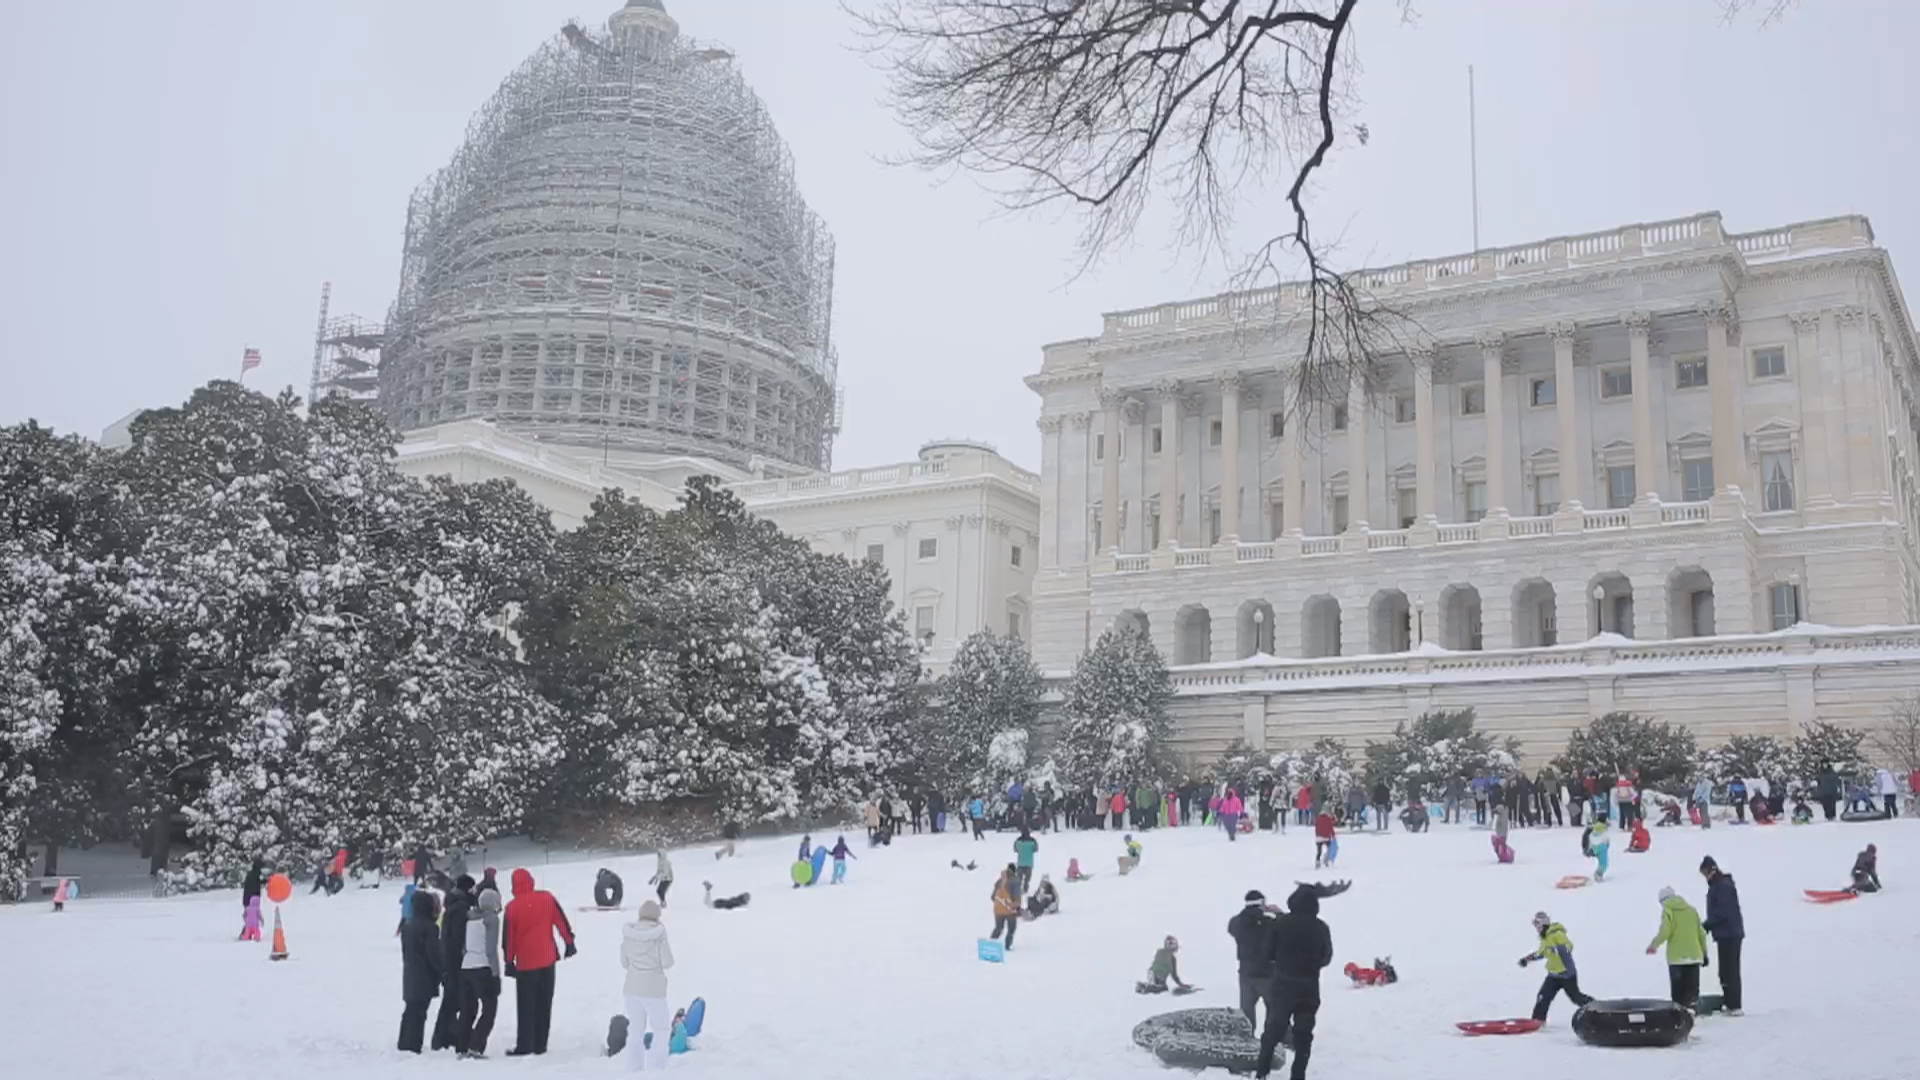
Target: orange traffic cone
279, 939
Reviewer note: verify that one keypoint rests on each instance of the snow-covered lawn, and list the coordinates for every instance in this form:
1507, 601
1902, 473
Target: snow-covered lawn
878, 977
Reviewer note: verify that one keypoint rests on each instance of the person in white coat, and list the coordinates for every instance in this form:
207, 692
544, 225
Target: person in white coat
1888, 790
646, 955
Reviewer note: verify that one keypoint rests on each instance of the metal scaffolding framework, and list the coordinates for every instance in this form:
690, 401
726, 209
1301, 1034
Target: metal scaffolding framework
346, 355
618, 258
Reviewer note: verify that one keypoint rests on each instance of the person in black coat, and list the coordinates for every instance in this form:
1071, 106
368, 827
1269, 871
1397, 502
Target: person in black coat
1250, 930
453, 951
1723, 921
1382, 806
1300, 946
422, 970
1826, 790
250, 885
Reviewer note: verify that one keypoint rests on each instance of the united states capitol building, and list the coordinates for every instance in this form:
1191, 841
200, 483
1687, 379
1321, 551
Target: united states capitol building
1665, 468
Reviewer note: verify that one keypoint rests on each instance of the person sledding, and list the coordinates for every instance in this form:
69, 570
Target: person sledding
1866, 872
1562, 978
1594, 843
1073, 871
1131, 860
1045, 899
1763, 810
1802, 813
1380, 974
1640, 839
1164, 969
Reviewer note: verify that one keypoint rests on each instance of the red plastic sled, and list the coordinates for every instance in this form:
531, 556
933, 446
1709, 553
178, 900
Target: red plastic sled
1499, 1027
1830, 896
1573, 881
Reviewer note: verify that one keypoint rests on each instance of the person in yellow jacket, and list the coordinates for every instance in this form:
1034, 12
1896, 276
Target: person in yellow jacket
1686, 942
1557, 950
1006, 906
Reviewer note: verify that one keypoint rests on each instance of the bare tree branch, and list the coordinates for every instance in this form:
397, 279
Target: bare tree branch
1771, 11
1898, 738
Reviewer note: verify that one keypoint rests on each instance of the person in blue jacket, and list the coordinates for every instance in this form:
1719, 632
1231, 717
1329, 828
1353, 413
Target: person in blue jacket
1737, 795
1728, 929
977, 810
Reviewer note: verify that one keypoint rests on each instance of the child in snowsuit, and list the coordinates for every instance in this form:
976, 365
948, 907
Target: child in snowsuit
724, 903
1866, 871
1165, 967
1595, 842
1132, 858
840, 854
1500, 849
1045, 899
1324, 844
1641, 839
1686, 942
1073, 871
1557, 950
250, 920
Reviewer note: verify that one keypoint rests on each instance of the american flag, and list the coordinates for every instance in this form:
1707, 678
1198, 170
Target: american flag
249, 360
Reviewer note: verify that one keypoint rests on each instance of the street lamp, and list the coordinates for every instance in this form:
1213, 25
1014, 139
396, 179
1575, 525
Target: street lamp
1599, 611
1259, 625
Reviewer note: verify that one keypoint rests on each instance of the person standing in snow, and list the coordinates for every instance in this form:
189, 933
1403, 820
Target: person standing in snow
1576, 799
1501, 849
453, 949
422, 864
1594, 843
977, 813
1231, 807
840, 854
1250, 930
527, 933
1686, 942
421, 962
479, 976
250, 885
1562, 977
662, 878
250, 920
1737, 795
1322, 840
1023, 852
1300, 946
1888, 790
645, 955
870, 817
1006, 907
1729, 930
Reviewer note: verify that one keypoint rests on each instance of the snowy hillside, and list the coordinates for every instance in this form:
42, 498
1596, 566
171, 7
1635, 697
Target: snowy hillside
878, 978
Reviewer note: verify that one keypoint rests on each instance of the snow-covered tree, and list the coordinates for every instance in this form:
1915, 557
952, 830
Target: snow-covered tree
989, 700
1439, 747
1748, 756
29, 711
1822, 746
1116, 727
1662, 755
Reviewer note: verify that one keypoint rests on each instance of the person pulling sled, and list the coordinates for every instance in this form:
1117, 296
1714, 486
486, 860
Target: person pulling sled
1556, 949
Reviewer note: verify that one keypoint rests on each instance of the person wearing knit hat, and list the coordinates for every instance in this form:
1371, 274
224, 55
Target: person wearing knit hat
1250, 929
1728, 928
1686, 942
1301, 947
646, 954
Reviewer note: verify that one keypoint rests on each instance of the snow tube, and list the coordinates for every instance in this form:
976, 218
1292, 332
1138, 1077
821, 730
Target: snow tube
1864, 815
802, 872
819, 863
607, 889
1234, 1053
1632, 1022
696, 1016
1218, 1023
1499, 1027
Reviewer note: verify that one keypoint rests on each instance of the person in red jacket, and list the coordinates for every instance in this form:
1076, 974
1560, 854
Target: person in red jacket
1323, 849
527, 948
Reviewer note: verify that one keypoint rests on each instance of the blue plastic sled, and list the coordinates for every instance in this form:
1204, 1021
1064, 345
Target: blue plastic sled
819, 863
696, 1016
992, 951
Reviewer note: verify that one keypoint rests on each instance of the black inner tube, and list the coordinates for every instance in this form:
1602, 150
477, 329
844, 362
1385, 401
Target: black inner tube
607, 889
1632, 1022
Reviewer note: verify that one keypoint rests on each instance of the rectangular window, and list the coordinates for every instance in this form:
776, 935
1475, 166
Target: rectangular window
1213, 433
1100, 446
1403, 409
1157, 440
1276, 425
1276, 517
1616, 382
1013, 624
1153, 530
1696, 480
1339, 418
923, 622
1549, 629
876, 553
929, 548
1620, 485
1770, 362
1546, 495
1690, 373
1014, 556
1784, 601
1776, 480
1407, 502
1476, 500
1542, 392
1213, 526
1339, 513
1473, 400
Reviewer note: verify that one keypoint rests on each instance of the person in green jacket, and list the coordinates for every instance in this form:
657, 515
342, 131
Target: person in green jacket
1165, 967
1562, 977
1023, 851
1686, 942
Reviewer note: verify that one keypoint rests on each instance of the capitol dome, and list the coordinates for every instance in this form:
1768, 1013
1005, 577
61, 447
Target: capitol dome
618, 258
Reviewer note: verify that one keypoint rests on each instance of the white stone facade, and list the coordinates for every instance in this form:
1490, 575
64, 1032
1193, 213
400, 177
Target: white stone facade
957, 531
1659, 431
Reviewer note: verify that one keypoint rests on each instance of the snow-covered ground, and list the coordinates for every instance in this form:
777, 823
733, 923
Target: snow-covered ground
878, 977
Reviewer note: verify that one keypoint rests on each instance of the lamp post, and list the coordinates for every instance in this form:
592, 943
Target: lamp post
1599, 610
1419, 623
1259, 623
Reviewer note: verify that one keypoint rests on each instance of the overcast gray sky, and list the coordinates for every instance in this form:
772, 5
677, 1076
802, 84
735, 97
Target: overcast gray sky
179, 178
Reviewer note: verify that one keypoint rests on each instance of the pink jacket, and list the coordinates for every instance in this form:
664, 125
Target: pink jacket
251, 920
1232, 805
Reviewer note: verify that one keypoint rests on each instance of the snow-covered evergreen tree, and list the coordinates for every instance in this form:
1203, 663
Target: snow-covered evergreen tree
1115, 728
1440, 746
1749, 756
990, 696
1822, 746
1662, 755
1326, 766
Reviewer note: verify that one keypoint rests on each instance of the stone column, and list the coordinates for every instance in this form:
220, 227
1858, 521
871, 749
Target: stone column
1111, 401
1050, 515
1169, 463
1287, 393
1230, 387
1723, 374
1865, 428
1816, 431
1424, 359
1358, 487
1571, 488
1492, 345
1647, 472
1077, 496
1135, 534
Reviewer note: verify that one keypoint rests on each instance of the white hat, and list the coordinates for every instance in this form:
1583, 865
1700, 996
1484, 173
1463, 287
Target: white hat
1666, 893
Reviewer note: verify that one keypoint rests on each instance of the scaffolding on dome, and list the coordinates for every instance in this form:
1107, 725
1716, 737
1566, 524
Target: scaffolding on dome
618, 257
346, 355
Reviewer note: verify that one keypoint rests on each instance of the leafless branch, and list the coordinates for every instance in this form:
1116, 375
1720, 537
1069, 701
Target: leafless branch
1898, 739
1770, 11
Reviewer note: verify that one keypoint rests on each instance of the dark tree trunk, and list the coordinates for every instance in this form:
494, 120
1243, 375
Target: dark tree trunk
52, 866
160, 839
